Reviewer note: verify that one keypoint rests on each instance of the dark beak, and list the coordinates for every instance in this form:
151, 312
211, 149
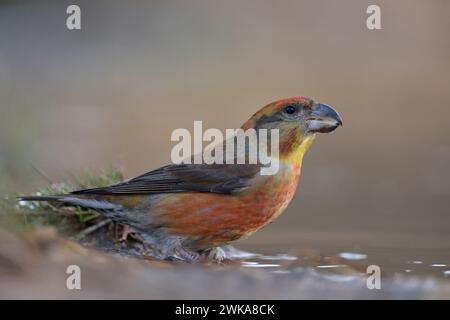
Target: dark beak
323, 118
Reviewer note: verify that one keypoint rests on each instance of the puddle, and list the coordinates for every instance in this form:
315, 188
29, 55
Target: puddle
346, 265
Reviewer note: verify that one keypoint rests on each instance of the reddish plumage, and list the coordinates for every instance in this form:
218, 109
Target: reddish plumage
215, 219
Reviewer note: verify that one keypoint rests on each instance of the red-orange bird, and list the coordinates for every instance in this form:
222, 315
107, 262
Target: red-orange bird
185, 210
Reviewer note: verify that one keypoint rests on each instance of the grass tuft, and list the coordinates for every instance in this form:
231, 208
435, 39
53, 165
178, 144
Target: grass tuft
68, 221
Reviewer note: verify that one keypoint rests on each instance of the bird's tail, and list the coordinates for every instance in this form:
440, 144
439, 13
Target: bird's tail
100, 205
41, 198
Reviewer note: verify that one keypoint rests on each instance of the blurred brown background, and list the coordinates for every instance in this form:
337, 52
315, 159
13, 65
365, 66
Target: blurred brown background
113, 92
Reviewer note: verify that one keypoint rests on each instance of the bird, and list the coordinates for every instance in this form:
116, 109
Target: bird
185, 210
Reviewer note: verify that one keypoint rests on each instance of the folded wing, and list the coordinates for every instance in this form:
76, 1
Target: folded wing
214, 178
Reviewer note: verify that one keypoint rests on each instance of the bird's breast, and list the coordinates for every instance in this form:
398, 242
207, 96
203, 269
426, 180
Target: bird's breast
213, 219
274, 193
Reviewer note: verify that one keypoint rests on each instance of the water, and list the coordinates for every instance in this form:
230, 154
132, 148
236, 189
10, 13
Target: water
333, 260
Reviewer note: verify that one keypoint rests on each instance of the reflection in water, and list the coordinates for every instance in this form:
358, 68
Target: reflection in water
281, 271
340, 277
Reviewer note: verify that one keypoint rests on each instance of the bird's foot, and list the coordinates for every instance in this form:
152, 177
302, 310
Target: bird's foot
216, 254
169, 249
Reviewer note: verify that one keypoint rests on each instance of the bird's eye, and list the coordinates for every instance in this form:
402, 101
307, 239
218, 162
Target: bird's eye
290, 109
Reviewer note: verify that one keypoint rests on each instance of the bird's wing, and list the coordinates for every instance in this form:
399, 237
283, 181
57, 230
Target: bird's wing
214, 178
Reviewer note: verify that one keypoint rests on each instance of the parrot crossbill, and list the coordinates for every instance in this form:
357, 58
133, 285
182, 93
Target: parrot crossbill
186, 210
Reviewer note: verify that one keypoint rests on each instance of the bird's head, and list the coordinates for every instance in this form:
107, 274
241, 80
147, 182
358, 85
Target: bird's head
298, 119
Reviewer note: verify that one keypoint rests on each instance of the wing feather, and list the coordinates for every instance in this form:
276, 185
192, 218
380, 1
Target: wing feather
214, 178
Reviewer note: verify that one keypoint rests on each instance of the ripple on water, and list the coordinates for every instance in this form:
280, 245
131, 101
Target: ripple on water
284, 257
330, 266
438, 265
260, 265
353, 256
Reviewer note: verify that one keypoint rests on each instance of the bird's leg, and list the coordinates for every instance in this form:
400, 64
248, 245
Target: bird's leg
130, 232
125, 233
185, 254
